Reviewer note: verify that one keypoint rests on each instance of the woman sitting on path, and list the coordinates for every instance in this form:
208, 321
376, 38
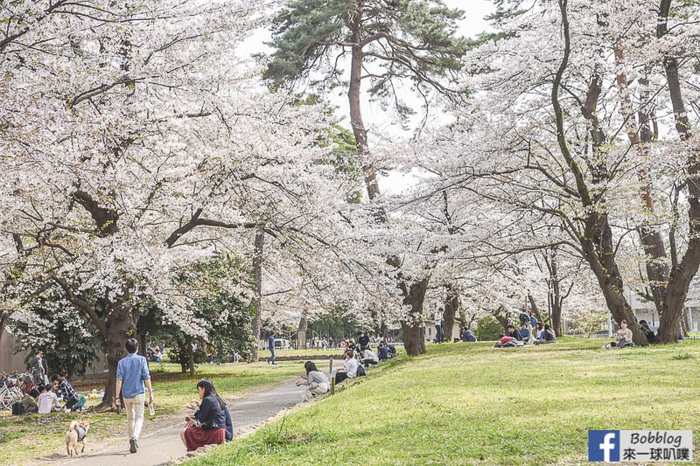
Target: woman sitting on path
208, 426
316, 380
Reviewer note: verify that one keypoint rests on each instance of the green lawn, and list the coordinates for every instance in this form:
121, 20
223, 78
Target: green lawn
25, 437
472, 404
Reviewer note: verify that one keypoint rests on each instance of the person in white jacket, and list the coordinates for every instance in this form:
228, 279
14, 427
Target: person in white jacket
349, 370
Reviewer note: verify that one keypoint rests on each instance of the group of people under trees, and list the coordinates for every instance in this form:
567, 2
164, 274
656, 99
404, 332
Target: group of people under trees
623, 335
358, 357
43, 396
530, 331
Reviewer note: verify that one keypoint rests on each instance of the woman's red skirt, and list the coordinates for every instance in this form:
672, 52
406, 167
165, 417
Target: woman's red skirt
196, 437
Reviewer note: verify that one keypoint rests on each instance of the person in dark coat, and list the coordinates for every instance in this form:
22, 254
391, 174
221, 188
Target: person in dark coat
646, 329
229, 424
468, 336
271, 347
363, 341
208, 426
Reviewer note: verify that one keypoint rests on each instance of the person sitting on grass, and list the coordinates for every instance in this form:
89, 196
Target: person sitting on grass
468, 336
524, 333
511, 332
349, 370
383, 351
28, 387
208, 426
392, 350
369, 358
507, 341
540, 330
623, 337
316, 380
545, 336
47, 400
28, 404
70, 397
651, 336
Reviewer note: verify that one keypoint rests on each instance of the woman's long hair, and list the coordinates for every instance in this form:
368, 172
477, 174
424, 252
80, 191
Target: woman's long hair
310, 366
210, 390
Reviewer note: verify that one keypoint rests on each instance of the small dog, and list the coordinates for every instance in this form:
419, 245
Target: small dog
77, 433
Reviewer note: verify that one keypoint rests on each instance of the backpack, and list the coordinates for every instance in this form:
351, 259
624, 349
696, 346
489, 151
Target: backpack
17, 408
361, 372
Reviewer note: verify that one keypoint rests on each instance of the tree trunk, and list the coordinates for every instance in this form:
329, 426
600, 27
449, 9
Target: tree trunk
685, 324
354, 98
556, 298
605, 269
597, 242
301, 332
414, 330
451, 308
556, 319
679, 282
119, 326
383, 330
143, 345
535, 309
3, 320
190, 361
681, 274
502, 316
257, 301
368, 169
413, 338
640, 138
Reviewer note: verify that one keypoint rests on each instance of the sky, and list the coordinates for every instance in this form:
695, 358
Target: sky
473, 24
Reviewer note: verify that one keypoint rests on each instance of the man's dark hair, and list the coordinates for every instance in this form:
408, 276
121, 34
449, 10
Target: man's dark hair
132, 345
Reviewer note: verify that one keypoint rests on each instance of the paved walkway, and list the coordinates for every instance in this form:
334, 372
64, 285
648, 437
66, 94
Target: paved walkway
164, 445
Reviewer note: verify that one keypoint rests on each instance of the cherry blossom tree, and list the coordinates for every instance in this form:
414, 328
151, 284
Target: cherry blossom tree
134, 144
543, 141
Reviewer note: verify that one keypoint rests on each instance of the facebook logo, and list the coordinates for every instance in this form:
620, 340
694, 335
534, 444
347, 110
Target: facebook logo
604, 445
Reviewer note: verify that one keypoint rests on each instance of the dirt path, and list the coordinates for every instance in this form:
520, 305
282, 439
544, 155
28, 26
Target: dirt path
162, 446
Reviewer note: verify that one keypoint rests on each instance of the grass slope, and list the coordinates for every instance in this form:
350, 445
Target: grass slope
472, 404
25, 437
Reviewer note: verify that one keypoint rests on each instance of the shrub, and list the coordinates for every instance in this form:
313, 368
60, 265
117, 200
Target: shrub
488, 329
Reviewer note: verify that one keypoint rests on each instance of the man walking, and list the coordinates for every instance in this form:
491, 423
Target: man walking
271, 347
132, 375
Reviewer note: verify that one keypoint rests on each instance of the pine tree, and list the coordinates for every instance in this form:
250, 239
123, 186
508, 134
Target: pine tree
389, 43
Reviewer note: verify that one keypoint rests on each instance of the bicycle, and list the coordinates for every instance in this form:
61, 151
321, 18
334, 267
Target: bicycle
9, 392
